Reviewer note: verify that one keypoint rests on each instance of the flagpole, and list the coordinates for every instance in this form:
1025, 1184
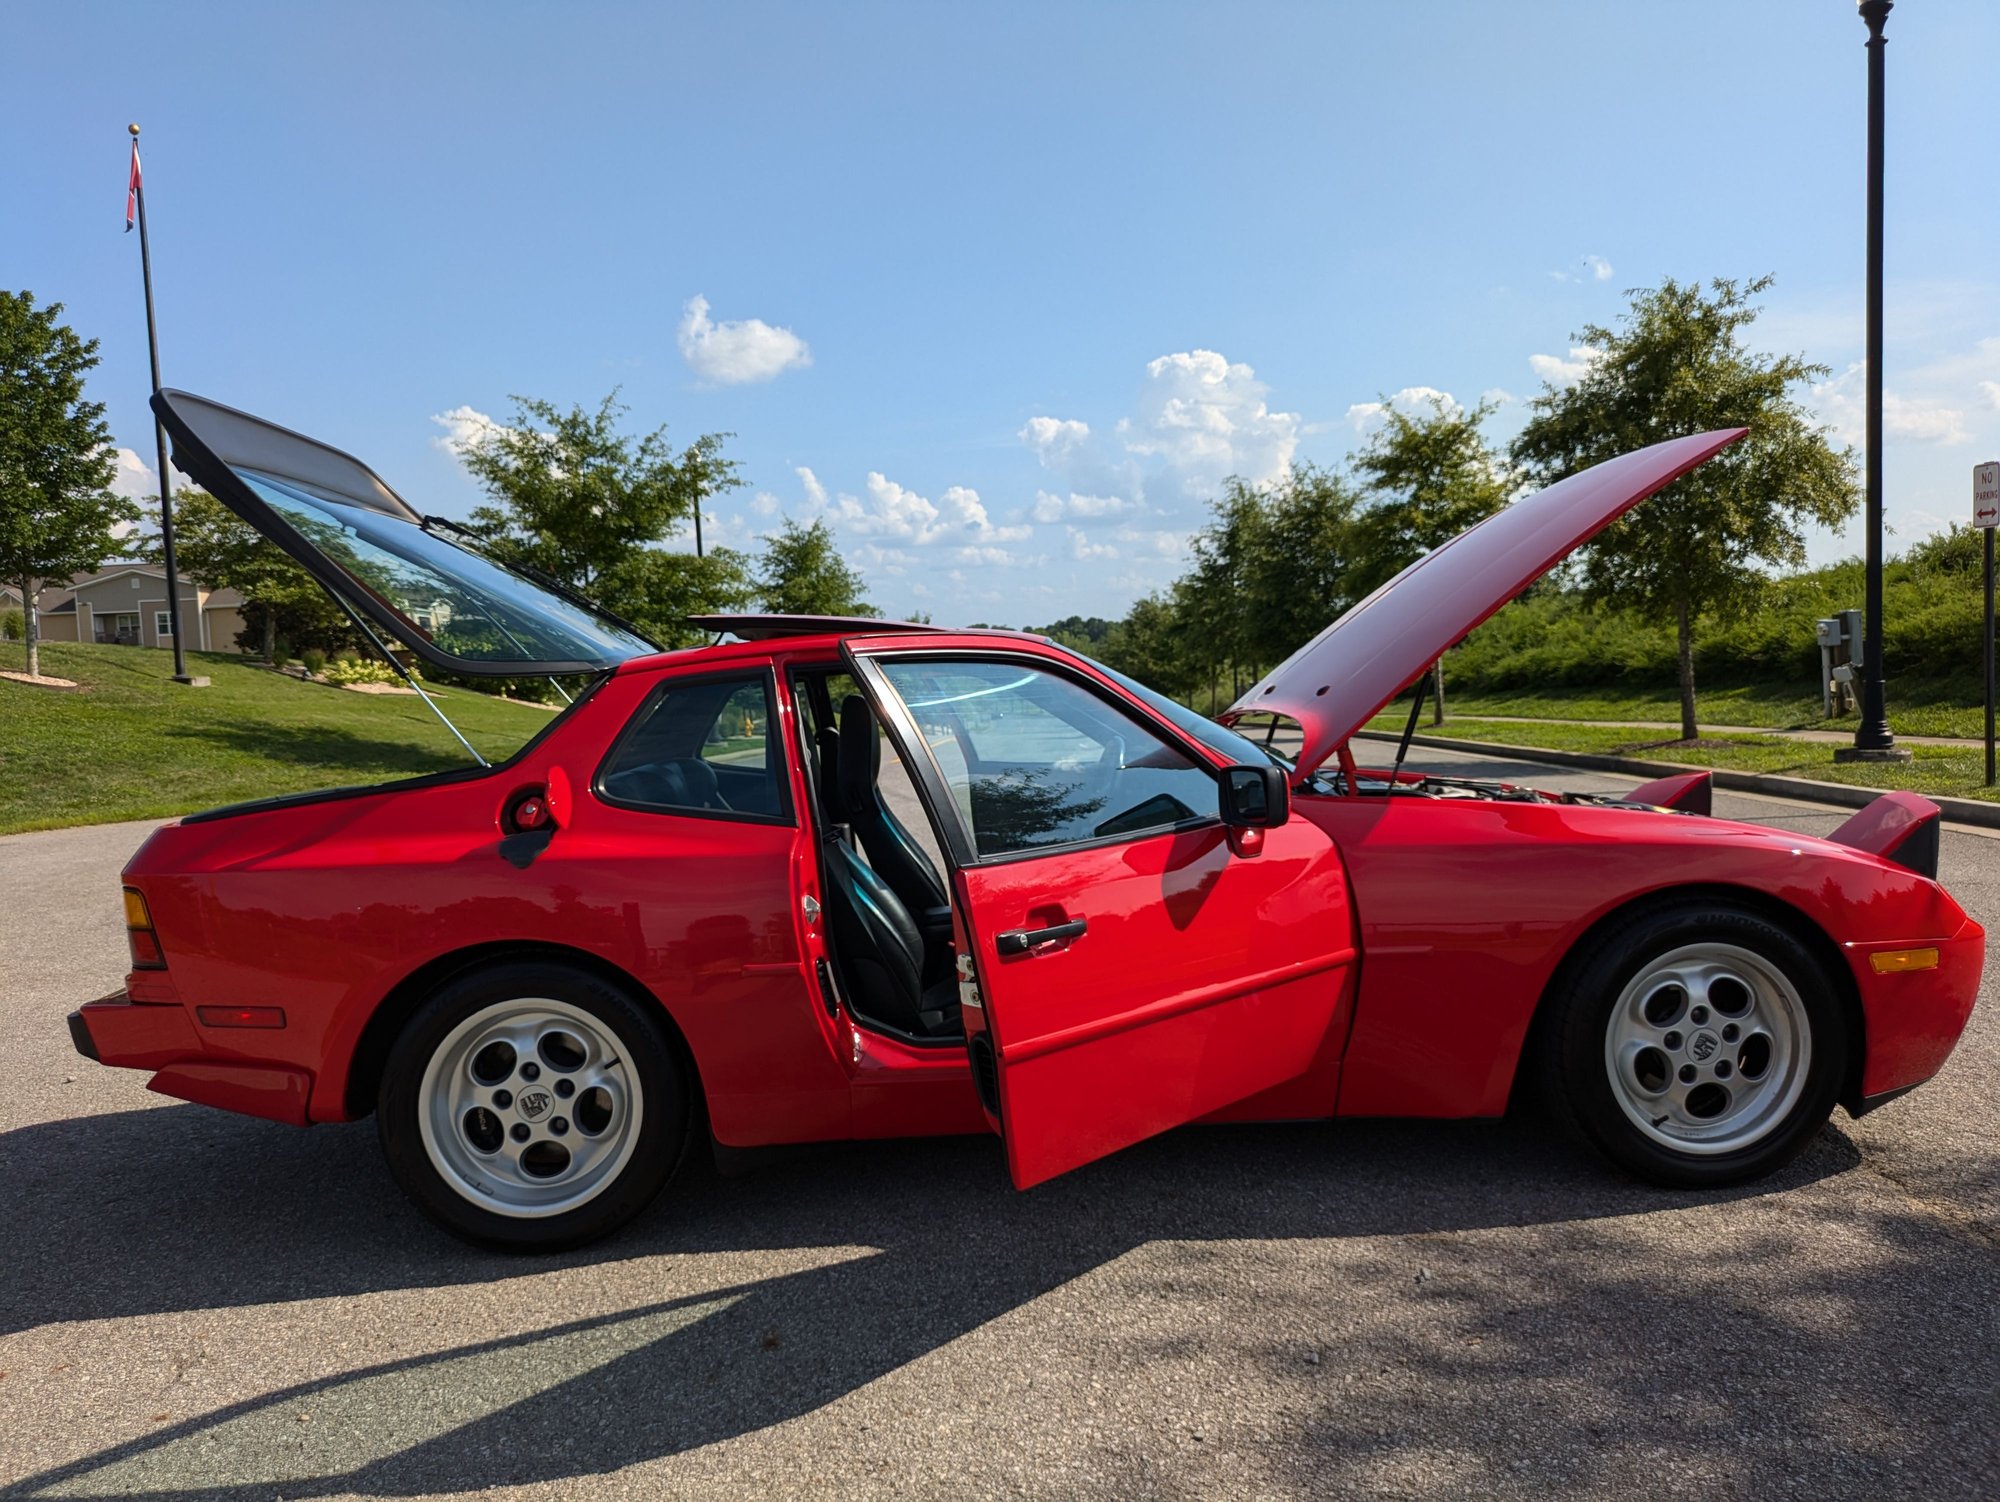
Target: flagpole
160, 436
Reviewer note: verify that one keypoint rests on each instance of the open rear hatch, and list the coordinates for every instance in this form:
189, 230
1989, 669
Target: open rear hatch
457, 610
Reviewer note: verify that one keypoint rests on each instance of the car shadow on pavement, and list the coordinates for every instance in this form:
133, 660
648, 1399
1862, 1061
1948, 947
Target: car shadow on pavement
177, 1208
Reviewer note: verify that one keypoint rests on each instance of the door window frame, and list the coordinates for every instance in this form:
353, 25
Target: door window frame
958, 842
774, 738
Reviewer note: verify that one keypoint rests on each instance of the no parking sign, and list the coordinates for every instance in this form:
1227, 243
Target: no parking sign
1986, 495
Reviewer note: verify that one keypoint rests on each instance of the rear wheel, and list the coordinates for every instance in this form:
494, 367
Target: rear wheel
1696, 1045
533, 1106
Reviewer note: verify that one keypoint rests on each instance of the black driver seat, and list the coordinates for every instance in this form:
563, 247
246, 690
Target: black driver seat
881, 951
891, 851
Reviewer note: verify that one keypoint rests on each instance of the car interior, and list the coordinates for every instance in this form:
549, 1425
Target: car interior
888, 905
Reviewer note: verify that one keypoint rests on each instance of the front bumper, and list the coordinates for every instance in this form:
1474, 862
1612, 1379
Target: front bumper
1914, 1018
127, 1034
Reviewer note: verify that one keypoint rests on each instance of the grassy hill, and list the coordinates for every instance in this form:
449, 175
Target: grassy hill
130, 744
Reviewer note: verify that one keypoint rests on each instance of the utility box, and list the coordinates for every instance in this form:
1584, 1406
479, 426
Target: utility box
1839, 639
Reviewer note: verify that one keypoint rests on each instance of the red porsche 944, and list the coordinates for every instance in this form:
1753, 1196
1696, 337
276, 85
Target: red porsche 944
828, 879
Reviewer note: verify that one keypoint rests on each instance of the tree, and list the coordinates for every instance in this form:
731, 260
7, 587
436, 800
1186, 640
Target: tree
802, 573
1303, 569
1428, 477
1677, 365
58, 513
587, 504
214, 545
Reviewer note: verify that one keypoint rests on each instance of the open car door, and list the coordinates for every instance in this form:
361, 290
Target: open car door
456, 609
1127, 971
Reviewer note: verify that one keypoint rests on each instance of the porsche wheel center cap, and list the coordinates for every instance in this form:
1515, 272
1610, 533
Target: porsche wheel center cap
535, 1104
1703, 1046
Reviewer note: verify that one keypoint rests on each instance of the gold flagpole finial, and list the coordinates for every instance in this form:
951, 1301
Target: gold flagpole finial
134, 128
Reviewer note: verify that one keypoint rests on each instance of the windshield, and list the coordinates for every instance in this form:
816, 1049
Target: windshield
462, 604
1216, 737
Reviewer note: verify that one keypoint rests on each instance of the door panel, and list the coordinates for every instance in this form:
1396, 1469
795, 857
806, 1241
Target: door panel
1197, 978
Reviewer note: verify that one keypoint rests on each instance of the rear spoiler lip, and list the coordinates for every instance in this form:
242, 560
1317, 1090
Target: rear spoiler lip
1684, 792
1902, 828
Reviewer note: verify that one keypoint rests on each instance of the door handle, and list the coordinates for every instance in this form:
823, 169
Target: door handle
1026, 940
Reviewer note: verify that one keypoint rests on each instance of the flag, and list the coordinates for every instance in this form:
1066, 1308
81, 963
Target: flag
132, 190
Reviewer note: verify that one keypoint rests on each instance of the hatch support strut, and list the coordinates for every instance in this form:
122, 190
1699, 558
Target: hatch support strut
390, 657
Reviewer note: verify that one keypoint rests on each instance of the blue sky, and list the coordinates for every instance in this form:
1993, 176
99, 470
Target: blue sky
1003, 292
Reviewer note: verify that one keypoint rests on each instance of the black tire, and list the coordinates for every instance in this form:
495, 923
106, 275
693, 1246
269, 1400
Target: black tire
629, 1026
1575, 1073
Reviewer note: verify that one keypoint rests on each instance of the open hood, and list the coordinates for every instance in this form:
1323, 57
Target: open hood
1337, 681
456, 609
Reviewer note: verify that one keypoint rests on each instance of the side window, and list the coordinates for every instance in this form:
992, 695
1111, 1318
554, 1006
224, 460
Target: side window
1033, 759
706, 747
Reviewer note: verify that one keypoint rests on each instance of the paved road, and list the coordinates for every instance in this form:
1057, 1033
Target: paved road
201, 1306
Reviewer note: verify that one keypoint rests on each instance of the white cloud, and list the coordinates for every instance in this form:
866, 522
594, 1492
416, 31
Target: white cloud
1587, 269
815, 492
1159, 542
1364, 416
1054, 438
1560, 372
1208, 419
1084, 550
765, 504
1991, 391
1841, 401
463, 428
737, 350
135, 479
895, 511
1050, 507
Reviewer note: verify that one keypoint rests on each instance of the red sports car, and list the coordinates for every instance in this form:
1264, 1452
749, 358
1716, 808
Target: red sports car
850, 879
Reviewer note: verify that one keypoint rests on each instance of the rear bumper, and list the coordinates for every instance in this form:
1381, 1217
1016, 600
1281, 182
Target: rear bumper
1914, 1018
127, 1034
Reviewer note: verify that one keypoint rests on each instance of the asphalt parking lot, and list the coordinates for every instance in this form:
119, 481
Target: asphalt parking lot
197, 1305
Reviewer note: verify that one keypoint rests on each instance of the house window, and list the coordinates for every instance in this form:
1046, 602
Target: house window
163, 624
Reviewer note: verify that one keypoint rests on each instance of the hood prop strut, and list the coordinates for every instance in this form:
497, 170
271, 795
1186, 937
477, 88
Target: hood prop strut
369, 632
1410, 728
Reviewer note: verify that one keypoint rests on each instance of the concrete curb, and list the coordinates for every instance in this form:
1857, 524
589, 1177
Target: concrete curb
1956, 810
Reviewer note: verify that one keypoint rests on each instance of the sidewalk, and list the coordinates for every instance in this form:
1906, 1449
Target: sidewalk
1823, 737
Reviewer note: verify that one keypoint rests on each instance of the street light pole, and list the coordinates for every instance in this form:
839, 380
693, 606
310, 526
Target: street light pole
1872, 738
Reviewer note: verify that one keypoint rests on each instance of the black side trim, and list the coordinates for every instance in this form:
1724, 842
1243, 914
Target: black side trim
80, 1036
1919, 850
1871, 1102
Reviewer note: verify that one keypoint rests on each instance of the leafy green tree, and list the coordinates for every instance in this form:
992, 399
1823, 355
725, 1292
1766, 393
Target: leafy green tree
802, 573
58, 513
214, 545
586, 503
1302, 572
1677, 365
1428, 477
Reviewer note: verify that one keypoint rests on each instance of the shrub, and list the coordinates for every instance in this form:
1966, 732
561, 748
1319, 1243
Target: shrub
314, 660
348, 669
13, 626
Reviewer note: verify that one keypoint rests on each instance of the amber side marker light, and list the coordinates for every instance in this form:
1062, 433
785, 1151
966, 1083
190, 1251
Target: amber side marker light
241, 1016
1894, 961
139, 935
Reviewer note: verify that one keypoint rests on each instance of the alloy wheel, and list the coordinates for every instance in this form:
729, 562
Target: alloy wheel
1707, 1048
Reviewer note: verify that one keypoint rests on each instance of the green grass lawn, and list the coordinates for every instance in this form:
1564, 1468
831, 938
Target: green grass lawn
129, 744
1914, 708
1934, 769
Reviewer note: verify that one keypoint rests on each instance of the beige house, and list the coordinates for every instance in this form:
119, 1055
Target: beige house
126, 605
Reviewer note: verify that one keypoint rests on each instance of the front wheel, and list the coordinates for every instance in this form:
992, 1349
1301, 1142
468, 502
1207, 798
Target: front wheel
533, 1107
1696, 1045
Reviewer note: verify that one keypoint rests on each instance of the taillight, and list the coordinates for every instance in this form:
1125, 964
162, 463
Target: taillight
145, 944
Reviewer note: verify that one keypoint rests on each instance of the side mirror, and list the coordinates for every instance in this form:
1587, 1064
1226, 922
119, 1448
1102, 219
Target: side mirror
1255, 797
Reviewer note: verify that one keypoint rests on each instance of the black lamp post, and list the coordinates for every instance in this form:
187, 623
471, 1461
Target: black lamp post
1872, 739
